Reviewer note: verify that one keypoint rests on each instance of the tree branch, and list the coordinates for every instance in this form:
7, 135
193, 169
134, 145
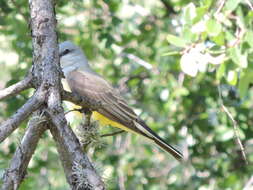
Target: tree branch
112, 134
235, 127
72, 157
16, 172
78, 170
250, 4
8, 126
249, 184
16, 88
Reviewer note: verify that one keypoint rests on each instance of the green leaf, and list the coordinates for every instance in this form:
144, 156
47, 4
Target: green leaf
240, 18
238, 58
249, 38
249, 17
243, 86
231, 5
220, 71
207, 3
245, 79
200, 12
189, 13
235, 54
116, 20
213, 27
229, 36
176, 41
188, 35
98, 21
219, 39
224, 133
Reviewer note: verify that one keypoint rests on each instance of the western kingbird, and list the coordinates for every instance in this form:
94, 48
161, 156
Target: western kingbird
114, 110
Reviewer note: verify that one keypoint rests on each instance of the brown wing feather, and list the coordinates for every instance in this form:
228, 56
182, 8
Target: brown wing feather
93, 86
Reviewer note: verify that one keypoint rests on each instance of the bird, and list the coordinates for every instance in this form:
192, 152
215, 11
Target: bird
114, 109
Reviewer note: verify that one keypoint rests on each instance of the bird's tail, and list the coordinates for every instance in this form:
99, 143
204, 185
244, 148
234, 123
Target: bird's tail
142, 126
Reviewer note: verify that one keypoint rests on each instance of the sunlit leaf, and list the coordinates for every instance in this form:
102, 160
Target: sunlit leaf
245, 79
188, 35
177, 41
213, 27
232, 77
219, 39
189, 13
238, 58
220, 71
231, 5
249, 38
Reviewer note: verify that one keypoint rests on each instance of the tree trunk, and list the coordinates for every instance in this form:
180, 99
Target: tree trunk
45, 77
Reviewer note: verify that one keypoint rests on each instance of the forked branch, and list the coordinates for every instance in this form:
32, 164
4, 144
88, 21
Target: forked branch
8, 126
45, 77
16, 172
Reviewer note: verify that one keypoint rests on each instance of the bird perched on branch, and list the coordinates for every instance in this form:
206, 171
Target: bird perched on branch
114, 109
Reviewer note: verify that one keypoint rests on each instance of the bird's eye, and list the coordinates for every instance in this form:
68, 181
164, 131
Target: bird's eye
65, 52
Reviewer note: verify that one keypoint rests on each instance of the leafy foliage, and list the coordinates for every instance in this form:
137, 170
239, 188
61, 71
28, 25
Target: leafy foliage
177, 62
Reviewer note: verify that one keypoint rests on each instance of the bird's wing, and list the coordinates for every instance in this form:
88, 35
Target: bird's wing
114, 106
95, 87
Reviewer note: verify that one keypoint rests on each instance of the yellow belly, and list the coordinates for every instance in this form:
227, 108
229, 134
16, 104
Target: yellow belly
105, 121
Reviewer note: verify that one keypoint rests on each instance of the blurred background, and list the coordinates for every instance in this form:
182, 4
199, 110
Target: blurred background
186, 69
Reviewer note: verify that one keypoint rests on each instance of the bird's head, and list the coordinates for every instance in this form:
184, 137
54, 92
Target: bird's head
71, 57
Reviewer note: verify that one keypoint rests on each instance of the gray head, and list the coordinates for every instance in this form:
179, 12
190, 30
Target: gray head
71, 57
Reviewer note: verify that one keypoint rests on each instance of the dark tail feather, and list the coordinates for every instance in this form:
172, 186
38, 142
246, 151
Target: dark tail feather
159, 141
168, 148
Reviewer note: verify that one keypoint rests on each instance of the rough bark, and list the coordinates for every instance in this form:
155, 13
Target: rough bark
43, 25
78, 169
8, 126
45, 77
16, 172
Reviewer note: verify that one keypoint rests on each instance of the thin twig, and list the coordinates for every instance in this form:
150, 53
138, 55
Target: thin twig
8, 126
222, 3
16, 88
16, 172
239, 34
113, 134
235, 127
236, 132
250, 5
137, 60
249, 184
